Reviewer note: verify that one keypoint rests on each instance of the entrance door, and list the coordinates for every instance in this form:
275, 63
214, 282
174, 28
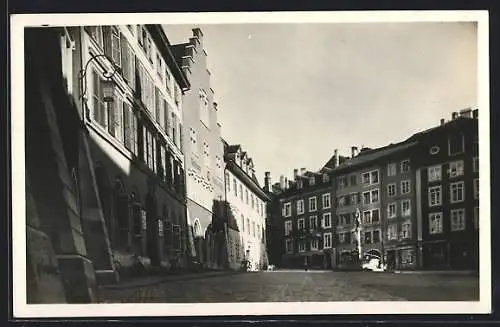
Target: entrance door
391, 260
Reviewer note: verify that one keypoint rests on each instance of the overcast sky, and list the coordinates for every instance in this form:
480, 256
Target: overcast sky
292, 93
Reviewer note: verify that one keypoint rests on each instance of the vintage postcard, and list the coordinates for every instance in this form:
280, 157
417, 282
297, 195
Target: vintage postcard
250, 163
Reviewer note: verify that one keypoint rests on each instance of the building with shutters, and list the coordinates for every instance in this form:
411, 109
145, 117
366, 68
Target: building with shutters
246, 211
134, 120
104, 122
203, 152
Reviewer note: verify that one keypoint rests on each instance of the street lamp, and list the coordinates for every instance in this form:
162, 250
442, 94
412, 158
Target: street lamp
107, 84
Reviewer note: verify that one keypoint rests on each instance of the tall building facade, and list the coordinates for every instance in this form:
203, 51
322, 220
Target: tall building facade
203, 148
247, 201
113, 118
447, 190
307, 220
134, 119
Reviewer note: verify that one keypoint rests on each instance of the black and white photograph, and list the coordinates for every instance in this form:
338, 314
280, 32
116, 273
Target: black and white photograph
250, 163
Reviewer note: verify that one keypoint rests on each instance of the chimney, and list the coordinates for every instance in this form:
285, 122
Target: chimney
286, 183
442, 121
302, 171
295, 174
354, 151
454, 115
466, 113
475, 113
335, 158
282, 182
267, 181
197, 33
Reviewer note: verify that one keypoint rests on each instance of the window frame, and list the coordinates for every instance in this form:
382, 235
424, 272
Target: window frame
315, 204
429, 197
434, 169
462, 192
432, 224
463, 225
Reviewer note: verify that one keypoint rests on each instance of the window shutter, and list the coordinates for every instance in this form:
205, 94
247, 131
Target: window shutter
118, 118
96, 94
111, 115
106, 33
132, 69
124, 49
127, 133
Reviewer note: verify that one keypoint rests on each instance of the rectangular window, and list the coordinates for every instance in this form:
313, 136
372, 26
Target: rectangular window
405, 166
391, 210
326, 178
100, 109
235, 187
392, 232
288, 227
248, 225
376, 236
313, 222
301, 224
314, 244
375, 215
342, 182
406, 230
241, 192
228, 181
116, 47
327, 240
435, 223
405, 187
457, 192
434, 173
300, 207
405, 208
253, 229
368, 237
327, 217
391, 169
246, 196
288, 209
435, 196
407, 256
456, 168
312, 203
367, 217
365, 177
353, 180
326, 201
289, 246
95, 33
475, 164
353, 198
457, 219
375, 196
455, 144
129, 128
366, 198
391, 189
370, 178
302, 246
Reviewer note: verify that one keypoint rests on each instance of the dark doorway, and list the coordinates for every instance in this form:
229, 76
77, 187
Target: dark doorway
152, 230
391, 260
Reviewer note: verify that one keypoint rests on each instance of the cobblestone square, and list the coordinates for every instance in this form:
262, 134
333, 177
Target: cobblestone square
302, 286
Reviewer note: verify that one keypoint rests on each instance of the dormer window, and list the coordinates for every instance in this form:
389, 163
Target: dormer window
326, 178
312, 180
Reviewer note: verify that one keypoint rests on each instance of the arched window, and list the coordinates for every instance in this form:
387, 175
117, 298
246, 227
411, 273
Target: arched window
197, 228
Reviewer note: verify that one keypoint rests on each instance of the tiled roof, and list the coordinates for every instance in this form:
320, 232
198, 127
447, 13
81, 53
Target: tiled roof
371, 155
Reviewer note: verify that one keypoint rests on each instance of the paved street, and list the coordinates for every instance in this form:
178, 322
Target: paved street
285, 286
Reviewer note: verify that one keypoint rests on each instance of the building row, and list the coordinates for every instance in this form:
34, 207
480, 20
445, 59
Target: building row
126, 164
414, 203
